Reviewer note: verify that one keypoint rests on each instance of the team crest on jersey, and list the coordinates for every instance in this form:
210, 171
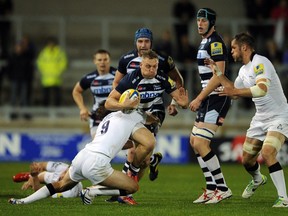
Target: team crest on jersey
172, 83
259, 69
216, 49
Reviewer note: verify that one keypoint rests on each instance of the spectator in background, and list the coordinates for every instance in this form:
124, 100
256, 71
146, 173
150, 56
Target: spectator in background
184, 12
279, 13
164, 45
51, 63
30, 53
6, 9
272, 52
18, 69
259, 11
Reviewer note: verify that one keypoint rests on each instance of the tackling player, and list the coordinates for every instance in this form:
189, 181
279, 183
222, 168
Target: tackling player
94, 161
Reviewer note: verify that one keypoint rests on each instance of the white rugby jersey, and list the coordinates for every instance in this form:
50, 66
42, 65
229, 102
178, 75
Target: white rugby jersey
113, 132
274, 102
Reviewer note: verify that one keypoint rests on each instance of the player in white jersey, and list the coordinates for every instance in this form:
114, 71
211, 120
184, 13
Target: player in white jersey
268, 129
94, 161
100, 84
47, 172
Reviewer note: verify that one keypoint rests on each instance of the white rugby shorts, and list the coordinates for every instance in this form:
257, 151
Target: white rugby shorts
259, 126
89, 165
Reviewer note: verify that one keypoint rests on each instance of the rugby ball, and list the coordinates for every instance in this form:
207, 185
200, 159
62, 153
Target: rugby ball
131, 93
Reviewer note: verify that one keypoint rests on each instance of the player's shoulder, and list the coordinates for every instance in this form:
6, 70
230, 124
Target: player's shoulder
161, 55
91, 75
129, 55
216, 37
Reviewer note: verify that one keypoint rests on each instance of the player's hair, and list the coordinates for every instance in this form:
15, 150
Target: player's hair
102, 51
150, 54
143, 33
245, 38
208, 14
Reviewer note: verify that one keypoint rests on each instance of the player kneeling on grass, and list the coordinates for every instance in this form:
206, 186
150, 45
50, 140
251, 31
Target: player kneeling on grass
94, 161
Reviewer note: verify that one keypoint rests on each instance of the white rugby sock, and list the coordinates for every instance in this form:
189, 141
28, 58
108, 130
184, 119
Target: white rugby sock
42, 193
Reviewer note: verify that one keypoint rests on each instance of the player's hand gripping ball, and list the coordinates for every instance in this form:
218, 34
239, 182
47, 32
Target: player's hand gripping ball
132, 94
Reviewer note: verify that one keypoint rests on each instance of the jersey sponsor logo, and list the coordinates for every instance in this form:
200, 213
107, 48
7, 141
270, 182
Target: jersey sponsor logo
134, 65
102, 90
216, 49
259, 69
129, 55
146, 95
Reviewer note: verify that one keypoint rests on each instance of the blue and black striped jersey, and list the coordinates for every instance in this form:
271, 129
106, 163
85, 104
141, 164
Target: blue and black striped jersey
100, 85
151, 90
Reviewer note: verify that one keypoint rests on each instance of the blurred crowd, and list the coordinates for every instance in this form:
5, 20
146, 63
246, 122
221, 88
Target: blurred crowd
21, 59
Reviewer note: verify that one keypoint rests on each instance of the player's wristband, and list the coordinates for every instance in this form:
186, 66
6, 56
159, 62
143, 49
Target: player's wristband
173, 102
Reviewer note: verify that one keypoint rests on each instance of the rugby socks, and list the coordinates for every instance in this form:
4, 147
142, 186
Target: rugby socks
133, 169
42, 193
254, 171
210, 182
277, 176
126, 167
105, 191
153, 160
213, 165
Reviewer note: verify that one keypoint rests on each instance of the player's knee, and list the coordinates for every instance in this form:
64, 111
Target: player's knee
271, 146
150, 143
202, 137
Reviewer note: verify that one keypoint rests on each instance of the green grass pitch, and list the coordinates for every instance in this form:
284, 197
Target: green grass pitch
171, 194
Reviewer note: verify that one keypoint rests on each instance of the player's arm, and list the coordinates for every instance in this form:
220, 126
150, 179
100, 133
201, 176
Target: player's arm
112, 102
258, 90
78, 98
117, 78
211, 86
175, 75
213, 82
